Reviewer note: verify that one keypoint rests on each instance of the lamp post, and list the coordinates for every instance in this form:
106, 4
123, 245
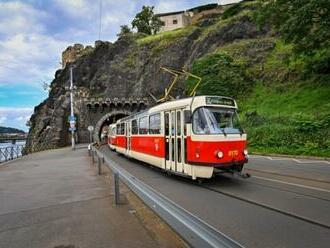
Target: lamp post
72, 119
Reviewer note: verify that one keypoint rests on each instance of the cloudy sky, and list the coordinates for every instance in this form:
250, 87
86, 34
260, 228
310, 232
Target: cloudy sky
33, 33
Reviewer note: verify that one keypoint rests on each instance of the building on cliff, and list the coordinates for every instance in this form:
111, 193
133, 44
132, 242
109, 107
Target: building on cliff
174, 20
180, 19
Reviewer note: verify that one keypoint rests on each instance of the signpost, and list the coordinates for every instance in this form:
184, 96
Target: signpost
72, 118
90, 129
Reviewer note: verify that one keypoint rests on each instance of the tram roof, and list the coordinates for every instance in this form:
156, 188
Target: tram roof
180, 103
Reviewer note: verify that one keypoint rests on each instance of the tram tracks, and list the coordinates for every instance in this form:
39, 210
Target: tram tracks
257, 203
267, 206
286, 190
289, 176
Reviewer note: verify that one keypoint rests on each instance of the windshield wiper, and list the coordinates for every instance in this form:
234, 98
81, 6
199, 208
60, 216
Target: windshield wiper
223, 130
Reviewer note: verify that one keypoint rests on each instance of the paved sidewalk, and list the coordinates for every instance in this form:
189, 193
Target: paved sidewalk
54, 199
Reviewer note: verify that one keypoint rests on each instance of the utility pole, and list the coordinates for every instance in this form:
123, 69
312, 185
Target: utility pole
72, 118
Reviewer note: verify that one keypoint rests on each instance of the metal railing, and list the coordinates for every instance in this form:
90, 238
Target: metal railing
11, 152
192, 229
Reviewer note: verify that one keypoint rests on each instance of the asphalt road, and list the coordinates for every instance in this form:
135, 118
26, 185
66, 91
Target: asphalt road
285, 203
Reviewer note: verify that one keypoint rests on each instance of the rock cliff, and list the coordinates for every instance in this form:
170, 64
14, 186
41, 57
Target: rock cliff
130, 67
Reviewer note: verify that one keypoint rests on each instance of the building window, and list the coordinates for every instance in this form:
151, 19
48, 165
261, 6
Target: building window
154, 124
134, 127
175, 21
143, 125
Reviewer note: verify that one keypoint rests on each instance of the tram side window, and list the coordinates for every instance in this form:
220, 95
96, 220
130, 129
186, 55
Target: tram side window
143, 125
178, 123
122, 128
135, 128
154, 124
167, 121
118, 129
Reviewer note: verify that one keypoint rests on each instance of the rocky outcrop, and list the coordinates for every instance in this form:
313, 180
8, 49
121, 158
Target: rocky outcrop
130, 67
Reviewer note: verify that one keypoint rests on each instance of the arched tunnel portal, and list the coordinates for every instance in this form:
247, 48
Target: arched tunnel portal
103, 112
106, 120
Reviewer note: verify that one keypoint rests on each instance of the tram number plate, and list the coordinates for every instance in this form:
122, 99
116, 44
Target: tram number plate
233, 153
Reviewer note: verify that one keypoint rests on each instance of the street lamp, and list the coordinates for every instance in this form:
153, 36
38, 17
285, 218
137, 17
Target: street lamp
72, 118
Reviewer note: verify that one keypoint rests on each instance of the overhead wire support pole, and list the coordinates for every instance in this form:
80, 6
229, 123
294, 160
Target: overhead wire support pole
71, 108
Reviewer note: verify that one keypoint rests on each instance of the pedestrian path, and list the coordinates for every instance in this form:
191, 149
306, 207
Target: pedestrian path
54, 199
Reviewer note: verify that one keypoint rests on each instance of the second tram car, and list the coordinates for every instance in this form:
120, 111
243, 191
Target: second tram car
195, 137
112, 136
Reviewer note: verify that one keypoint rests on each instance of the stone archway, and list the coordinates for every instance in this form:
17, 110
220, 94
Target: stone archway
104, 118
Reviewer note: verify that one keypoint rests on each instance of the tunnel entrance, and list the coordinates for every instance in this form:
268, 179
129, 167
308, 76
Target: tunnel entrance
106, 120
111, 119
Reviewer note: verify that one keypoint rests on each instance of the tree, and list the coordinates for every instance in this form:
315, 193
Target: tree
146, 21
124, 30
303, 23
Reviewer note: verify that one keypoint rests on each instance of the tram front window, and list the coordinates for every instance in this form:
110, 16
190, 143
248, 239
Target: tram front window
210, 120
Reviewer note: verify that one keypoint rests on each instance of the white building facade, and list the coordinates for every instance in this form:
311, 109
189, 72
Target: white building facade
174, 20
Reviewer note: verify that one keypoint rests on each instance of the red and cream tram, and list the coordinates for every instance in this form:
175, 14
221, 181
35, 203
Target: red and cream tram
112, 136
193, 137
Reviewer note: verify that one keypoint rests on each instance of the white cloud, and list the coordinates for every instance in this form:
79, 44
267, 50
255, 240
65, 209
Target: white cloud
17, 17
28, 54
15, 117
3, 119
170, 6
29, 58
87, 15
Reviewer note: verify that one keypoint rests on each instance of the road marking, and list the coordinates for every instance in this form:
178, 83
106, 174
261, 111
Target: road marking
293, 184
292, 159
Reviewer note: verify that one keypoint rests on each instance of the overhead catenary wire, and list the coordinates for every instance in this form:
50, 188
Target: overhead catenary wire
100, 20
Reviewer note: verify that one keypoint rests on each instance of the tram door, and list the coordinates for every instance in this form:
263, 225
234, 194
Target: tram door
174, 140
128, 137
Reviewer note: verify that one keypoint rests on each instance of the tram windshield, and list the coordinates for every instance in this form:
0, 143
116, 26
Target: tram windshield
210, 120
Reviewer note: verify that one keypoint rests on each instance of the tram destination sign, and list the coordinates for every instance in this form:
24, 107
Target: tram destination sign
215, 100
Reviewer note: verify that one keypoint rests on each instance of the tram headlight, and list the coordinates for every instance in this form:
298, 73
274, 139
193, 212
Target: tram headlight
219, 154
246, 153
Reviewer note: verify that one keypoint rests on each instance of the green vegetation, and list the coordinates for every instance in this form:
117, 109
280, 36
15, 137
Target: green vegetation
282, 112
168, 35
221, 76
146, 21
281, 80
291, 118
304, 24
161, 41
282, 90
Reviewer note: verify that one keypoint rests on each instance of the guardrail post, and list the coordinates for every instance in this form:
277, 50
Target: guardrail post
99, 166
116, 189
93, 156
11, 153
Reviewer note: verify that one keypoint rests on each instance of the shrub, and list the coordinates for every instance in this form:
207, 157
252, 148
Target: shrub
220, 75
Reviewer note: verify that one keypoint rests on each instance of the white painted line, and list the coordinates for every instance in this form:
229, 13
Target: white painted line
292, 159
293, 184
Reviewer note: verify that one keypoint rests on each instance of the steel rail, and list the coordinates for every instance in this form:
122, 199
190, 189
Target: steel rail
192, 229
266, 206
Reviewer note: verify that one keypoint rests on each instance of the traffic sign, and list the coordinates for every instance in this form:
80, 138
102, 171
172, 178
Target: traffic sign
90, 128
71, 118
72, 129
